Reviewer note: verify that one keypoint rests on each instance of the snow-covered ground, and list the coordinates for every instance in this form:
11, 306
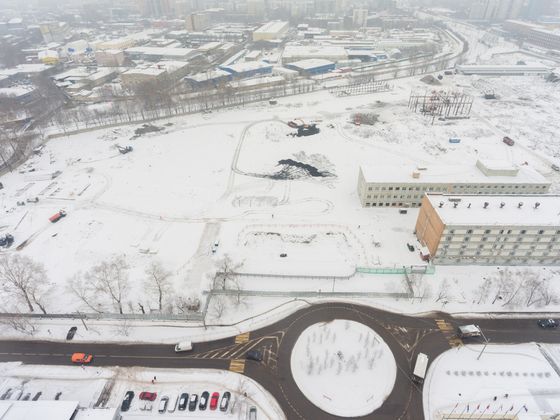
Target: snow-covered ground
213, 178
89, 385
506, 380
343, 367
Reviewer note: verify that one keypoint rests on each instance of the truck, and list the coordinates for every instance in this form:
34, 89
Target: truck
420, 367
57, 216
508, 141
468, 331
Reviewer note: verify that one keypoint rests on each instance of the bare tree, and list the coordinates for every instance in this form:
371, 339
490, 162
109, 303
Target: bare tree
110, 278
226, 272
19, 323
443, 292
158, 281
218, 307
85, 291
25, 280
484, 289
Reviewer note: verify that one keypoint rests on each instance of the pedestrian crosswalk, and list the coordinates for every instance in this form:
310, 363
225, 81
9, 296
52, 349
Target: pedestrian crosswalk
242, 338
449, 333
237, 365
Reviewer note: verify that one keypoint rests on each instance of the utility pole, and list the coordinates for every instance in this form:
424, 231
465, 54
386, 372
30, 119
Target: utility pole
484, 347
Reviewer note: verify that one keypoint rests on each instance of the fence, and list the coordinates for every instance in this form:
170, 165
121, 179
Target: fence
192, 317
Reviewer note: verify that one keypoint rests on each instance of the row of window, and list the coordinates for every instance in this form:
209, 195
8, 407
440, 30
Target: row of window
394, 204
507, 232
496, 246
456, 188
498, 254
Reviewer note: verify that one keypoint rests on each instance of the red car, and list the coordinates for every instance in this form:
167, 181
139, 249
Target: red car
149, 396
214, 400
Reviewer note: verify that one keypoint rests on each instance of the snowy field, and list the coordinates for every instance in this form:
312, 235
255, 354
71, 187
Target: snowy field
238, 178
343, 367
507, 380
88, 385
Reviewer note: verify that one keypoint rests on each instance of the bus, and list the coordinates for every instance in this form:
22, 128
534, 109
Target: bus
420, 368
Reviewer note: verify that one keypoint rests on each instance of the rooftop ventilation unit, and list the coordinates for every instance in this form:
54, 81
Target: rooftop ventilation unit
520, 205
537, 204
486, 204
502, 205
455, 204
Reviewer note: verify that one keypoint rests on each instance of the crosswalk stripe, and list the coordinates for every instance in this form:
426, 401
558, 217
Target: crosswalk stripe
242, 338
237, 365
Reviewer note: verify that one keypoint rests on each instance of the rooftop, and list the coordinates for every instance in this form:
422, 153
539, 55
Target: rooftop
501, 210
273, 27
456, 174
310, 63
247, 66
163, 51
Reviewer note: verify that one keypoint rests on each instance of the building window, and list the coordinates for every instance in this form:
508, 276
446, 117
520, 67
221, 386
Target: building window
469, 231
523, 232
541, 232
390, 188
487, 231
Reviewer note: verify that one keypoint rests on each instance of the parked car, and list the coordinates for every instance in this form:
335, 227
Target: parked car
172, 403
127, 400
547, 323
214, 400
193, 402
254, 355
225, 401
183, 401
148, 396
555, 167
163, 404
71, 333
467, 331
508, 141
253, 413
82, 358
203, 400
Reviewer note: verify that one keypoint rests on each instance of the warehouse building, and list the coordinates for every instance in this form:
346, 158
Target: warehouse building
312, 66
492, 229
160, 53
212, 78
503, 70
248, 69
296, 53
271, 31
393, 186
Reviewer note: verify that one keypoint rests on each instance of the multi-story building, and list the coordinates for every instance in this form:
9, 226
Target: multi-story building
534, 34
393, 186
359, 18
492, 229
198, 21
271, 31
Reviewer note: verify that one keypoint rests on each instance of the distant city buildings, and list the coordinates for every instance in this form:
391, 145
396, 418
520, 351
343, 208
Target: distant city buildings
494, 229
534, 34
492, 10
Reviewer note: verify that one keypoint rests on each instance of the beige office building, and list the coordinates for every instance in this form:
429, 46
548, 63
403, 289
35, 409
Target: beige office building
490, 230
399, 186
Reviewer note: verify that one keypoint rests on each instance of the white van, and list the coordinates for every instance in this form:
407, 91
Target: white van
419, 372
183, 346
172, 403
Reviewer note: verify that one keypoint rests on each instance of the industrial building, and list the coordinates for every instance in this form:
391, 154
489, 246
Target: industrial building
53, 410
312, 66
394, 186
491, 229
211, 78
160, 53
248, 69
503, 70
271, 31
326, 52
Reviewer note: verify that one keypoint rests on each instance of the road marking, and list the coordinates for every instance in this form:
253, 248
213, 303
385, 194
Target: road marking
237, 365
242, 338
455, 342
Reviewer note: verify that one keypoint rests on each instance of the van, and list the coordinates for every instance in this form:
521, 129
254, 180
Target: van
419, 372
466, 331
183, 346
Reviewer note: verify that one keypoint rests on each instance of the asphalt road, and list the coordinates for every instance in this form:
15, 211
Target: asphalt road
405, 335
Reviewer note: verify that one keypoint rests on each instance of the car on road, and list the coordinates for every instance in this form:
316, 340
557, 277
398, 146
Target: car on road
214, 400
192, 402
127, 400
71, 333
183, 401
547, 323
467, 331
254, 355
163, 404
225, 401
203, 400
508, 141
82, 358
253, 413
148, 396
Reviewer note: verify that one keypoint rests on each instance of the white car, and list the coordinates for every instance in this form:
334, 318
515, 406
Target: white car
163, 404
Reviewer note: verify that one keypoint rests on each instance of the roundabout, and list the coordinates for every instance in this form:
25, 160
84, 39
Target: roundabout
343, 367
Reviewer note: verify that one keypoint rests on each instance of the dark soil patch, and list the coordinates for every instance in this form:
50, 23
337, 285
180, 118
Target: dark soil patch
292, 169
145, 129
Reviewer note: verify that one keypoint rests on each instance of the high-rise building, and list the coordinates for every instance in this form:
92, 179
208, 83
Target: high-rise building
198, 21
156, 8
359, 18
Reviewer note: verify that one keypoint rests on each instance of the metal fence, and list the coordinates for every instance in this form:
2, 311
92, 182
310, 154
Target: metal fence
194, 316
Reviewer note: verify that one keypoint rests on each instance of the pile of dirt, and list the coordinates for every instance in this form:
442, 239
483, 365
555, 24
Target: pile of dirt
363, 118
293, 169
145, 129
430, 80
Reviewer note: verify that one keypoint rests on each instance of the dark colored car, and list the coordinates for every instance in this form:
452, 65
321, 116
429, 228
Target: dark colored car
508, 141
71, 333
183, 401
127, 400
254, 355
225, 401
214, 400
203, 400
192, 402
148, 396
547, 323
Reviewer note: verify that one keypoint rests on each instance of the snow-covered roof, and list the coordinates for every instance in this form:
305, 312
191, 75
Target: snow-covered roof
163, 51
447, 174
502, 69
16, 91
245, 67
315, 51
273, 27
43, 409
501, 210
310, 63
150, 71
209, 75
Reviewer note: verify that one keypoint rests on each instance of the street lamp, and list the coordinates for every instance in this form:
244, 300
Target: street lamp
485, 344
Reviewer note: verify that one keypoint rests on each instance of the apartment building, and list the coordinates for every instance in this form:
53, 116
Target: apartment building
492, 229
399, 186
